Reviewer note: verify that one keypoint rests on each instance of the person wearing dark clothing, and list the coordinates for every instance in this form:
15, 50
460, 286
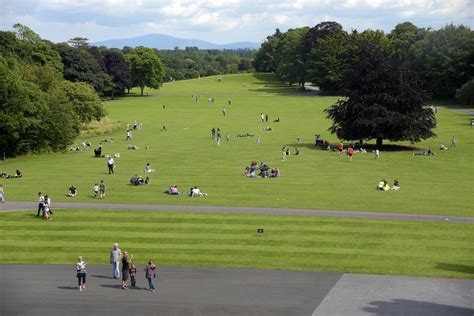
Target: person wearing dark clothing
125, 269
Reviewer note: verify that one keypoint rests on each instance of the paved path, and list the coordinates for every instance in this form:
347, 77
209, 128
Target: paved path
17, 206
51, 290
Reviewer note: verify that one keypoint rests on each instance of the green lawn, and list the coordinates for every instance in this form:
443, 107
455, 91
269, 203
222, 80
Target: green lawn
229, 240
187, 156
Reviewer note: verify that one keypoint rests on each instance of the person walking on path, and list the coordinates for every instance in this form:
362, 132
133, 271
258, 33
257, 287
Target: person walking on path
110, 164
125, 269
81, 273
115, 255
2, 194
102, 189
151, 275
453, 142
40, 204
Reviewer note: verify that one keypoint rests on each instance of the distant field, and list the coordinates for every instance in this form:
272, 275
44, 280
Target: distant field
229, 240
187, 156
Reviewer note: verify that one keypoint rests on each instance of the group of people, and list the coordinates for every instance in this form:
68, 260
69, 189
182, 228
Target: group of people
99, 190
263, 170
16, 175
216, 135
139, 180
123, 269
384, 186
44, 206
286, 152
193, 191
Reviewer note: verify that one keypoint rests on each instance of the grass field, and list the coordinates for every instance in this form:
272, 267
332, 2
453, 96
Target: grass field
186, 155
289, 242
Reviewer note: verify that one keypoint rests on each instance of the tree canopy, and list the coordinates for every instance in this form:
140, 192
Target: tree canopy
146, 68
382, 100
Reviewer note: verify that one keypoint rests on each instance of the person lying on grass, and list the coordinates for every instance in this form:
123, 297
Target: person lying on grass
195, 192
173, 190
16, 175
396, 185
133, 147
425, 153
72, 191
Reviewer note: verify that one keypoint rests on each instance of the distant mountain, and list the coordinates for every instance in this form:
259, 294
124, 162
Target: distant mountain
160, 41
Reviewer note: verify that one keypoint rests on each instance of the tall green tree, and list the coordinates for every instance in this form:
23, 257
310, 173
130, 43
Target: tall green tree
289, 57
382, 100
146, 68
466, 93
118, 69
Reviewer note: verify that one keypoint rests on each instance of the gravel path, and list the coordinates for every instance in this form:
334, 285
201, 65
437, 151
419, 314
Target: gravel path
18, 206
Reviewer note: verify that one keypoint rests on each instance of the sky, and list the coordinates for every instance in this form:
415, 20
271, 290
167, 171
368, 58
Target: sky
221, 21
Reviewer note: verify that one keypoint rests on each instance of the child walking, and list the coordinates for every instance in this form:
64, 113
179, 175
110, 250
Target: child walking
81, 273
133, 272
95, 189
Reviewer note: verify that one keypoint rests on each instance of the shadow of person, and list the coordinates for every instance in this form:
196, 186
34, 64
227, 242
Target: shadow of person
112, 286
455, 267
100, 276
410, 307
75, 288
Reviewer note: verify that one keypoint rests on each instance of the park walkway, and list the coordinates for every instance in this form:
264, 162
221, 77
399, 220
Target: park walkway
52, 290
20, 206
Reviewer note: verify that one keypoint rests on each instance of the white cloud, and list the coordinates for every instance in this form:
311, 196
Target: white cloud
221, 20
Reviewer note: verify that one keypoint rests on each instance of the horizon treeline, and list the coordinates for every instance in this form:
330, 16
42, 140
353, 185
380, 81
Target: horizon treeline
443, 59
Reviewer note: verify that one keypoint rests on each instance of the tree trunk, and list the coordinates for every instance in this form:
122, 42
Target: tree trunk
141, 88
379, 142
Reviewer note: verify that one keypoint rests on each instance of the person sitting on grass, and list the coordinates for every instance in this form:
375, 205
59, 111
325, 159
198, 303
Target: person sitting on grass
17, 174
297, 152
383, 185
195, 192
72, 191
425, 153
275, 173
133, 147
442, 147
98, 151
173, 190
396, 185
148, 168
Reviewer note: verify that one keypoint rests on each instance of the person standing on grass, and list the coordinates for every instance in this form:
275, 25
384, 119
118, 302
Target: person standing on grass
125, 267
218, 138
266, 117
224, 111
110, 164
40, 204
283, 154
213, 133
350, 151
340, 147
262, 117
115, 255
377, 154
227, 137
129, 134
257, 141
150, 275
102, 189
453, 142
81, 273
2, 194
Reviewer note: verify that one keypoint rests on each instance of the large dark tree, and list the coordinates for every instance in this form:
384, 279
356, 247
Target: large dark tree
118, 70
382, 101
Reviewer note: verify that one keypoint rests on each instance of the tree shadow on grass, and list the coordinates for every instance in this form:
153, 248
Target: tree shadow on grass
368, 147
455, 267
410, 307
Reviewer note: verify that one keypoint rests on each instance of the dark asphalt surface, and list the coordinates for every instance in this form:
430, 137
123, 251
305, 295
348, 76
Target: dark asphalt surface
17, 206
52, 290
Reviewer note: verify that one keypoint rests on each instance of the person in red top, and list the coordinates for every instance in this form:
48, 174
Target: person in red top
350, 151
340, 147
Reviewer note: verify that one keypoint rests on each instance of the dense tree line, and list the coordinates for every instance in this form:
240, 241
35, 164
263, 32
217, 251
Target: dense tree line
39, 109
443, 60
193, 62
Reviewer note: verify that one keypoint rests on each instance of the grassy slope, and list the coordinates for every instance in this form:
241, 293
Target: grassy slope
302, 243
315, 179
